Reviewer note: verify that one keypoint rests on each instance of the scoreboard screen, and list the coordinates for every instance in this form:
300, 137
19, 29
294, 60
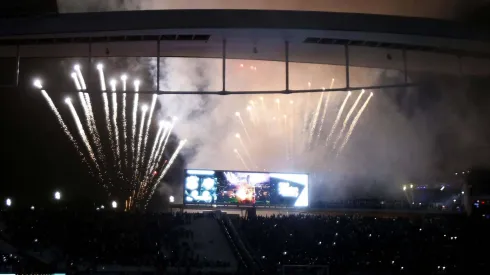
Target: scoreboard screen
245, 188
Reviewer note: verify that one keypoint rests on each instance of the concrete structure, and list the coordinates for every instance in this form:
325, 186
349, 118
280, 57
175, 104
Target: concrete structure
351, 40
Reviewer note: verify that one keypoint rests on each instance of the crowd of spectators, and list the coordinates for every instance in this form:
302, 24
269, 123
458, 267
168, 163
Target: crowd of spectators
347, 243
342, 244
68, 240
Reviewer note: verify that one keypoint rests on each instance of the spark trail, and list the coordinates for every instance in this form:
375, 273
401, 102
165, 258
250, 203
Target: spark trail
114, 121
243, 124
83, 135
337, 119
63, 126
144, 109
159, 154
148, 124
167, 167
315, 119
86, 113
249, 157
124, 121
241, 158
325, 107
96, 136
108, 123
154, 147
80, 77
354, 122
135, 119
347, 117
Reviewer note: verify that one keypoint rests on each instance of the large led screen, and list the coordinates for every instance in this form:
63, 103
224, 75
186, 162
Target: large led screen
247, 188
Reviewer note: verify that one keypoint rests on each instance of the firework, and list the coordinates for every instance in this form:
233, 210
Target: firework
154, 147
144, 110
148, 123
325, 107
135, 118
114, 122
337, 119
237, 114
108, 123
60, 121
344, 124
247, 153
81, 131
354, 123
136, 176
167, 167
124, 121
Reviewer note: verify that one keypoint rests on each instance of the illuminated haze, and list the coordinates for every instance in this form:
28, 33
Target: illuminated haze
404, 135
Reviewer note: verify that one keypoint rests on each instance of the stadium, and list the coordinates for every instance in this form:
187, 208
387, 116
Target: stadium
301, 138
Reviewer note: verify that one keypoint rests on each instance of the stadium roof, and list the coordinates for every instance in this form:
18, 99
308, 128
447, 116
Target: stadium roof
313, 37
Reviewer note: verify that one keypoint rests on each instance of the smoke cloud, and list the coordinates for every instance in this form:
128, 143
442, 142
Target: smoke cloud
420, 134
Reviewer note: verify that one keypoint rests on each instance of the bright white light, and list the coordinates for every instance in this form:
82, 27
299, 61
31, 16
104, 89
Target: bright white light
161, 123
144, 108
200, 172
286, 190
191, 182
76, 67
442, 188
462, 192
171, 199
8, 202
404, 188
136, 85
114, 204
237, 113
235, 150
113, 84
32, 207
208, 184
183, 141
57, 195
124, 77
174, 118
100, 66
237, 135
371, 94
73, 75
38, 83
102, 207
67, 100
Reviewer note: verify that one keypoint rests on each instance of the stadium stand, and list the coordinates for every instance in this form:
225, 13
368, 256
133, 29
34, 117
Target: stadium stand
109, 242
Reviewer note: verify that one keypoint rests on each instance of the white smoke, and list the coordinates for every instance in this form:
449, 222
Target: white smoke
387, 145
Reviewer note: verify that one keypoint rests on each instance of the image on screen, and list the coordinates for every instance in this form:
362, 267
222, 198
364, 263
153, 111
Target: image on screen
246, 188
